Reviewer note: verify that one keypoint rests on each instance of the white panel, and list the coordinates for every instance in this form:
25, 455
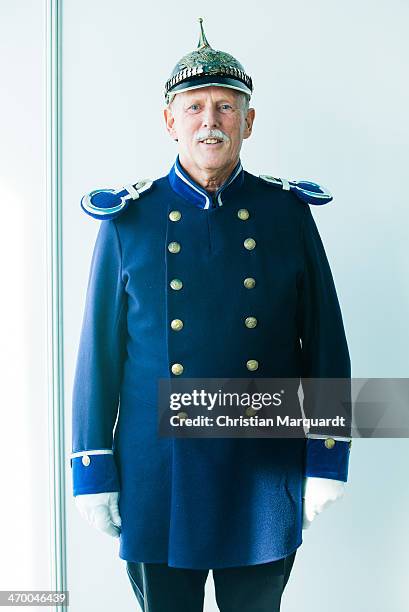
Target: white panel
24, 451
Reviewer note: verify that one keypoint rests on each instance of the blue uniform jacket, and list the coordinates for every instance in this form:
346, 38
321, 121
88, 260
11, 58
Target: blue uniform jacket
219, 502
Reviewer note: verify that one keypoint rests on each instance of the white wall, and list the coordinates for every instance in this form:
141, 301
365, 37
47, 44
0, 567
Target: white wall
24, 452
331, 103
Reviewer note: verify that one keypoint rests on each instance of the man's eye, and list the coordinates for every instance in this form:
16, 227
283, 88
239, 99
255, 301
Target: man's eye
227, 106
194, 106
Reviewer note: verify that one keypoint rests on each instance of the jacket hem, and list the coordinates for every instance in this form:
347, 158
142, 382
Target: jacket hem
223, 566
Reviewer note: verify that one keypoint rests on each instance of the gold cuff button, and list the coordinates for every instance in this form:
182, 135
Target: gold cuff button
250, 322
182, 416
176, 284
249, 244
176, 324
329, 443
243, 214
250, 411
175, 215
86, 460
249, 282
177, 369
174, 247
252, 364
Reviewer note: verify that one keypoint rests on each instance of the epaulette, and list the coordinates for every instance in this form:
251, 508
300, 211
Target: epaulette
309, 192
106, 204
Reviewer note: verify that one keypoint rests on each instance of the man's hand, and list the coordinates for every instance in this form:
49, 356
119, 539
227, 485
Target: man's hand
101, 511
318, 493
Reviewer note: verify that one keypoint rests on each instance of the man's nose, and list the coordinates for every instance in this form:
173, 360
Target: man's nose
210, 118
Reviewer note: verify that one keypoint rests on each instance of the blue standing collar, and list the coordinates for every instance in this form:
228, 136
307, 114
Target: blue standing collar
185, 186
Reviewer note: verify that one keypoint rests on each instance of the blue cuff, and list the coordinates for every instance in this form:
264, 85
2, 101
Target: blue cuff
324, 462
99, 476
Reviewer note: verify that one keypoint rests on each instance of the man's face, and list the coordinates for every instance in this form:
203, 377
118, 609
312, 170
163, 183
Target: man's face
209, 111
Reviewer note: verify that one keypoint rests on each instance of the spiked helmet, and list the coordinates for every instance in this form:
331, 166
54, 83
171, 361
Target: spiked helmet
205, 67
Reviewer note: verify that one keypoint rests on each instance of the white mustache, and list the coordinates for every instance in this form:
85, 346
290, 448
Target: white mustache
212, 134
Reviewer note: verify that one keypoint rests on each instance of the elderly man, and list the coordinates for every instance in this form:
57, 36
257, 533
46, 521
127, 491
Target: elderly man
207, 272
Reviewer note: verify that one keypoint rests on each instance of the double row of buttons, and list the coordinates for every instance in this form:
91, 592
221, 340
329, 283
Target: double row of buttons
176, 284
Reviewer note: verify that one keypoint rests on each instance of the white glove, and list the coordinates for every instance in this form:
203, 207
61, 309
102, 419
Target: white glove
101, 511
318, 493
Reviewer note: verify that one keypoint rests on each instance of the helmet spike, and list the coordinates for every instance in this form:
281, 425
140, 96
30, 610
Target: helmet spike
203, 42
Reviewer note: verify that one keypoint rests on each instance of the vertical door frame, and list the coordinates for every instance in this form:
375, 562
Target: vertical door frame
55, 362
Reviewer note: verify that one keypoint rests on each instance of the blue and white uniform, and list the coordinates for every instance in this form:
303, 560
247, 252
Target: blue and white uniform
174, 273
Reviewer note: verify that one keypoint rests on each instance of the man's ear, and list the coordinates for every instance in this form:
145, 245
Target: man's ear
249, 119
169, 121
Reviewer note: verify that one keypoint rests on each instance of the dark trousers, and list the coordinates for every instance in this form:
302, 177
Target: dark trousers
250, 588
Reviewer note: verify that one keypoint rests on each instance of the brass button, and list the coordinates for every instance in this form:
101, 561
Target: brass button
243, 214
174, 247
177, 368
250, 411
176, 324
249, 282
182, 416
329, 443
249, 243
252, 364
176, 284
250, 322
86, 460
175, 215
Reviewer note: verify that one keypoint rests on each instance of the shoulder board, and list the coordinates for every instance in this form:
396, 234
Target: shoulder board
106, 204
309, 192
